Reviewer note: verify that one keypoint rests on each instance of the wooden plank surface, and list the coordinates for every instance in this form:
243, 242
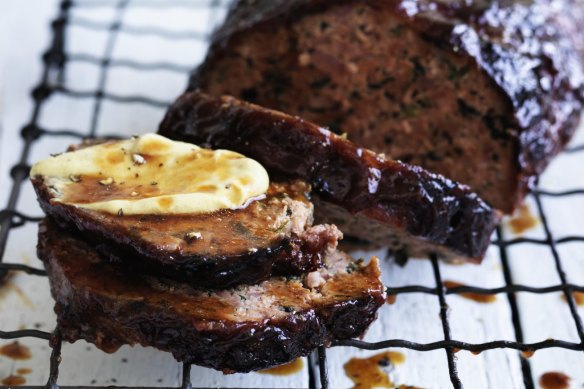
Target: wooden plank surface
26, 301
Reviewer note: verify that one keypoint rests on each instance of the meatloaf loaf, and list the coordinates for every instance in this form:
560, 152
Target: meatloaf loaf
235, 330
483, 92
362, 193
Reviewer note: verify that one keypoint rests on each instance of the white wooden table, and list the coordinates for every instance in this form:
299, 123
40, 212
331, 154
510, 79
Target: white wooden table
26, 302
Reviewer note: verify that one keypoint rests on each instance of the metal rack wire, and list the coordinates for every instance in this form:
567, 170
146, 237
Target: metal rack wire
56, 59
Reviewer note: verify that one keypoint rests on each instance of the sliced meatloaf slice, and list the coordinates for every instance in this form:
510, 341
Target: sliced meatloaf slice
271, 236
270, 233
235, 330
368, 196
483, 92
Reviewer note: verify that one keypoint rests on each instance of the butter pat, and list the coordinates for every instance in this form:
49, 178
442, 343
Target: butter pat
151, 174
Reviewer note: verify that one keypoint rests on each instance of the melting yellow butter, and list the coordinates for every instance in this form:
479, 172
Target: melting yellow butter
151, 174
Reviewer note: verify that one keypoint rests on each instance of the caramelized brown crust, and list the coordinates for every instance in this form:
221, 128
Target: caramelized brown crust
236, 330
483, 92
439, 214
269, 237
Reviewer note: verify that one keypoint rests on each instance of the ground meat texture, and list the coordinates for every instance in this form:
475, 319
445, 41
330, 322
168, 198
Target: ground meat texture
484, 94
240, 329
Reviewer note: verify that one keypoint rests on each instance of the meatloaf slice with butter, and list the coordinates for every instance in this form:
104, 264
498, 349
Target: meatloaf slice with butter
271, 236
363, 193
483, 92
235, 330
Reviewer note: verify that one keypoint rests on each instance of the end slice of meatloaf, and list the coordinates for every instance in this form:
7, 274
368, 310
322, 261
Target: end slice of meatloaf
368, 196
483, 92
234, 330
270, 236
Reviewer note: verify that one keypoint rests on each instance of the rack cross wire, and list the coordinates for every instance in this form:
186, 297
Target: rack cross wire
55, 60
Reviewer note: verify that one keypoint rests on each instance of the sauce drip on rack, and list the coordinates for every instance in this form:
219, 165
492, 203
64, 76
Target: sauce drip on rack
523, 220
367, 373
578, 298
477, 297
16, 351
554, 380
528, 353
13, 380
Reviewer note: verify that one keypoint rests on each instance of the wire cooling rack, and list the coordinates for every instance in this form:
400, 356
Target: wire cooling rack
56, 59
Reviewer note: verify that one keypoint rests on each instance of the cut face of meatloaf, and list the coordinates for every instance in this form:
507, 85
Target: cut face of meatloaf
234, 330
368, 196
271, 235
485, 93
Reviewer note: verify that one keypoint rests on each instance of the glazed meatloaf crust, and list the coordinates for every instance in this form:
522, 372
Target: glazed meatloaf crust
235, 330
363, 194
483, 92
271, 236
